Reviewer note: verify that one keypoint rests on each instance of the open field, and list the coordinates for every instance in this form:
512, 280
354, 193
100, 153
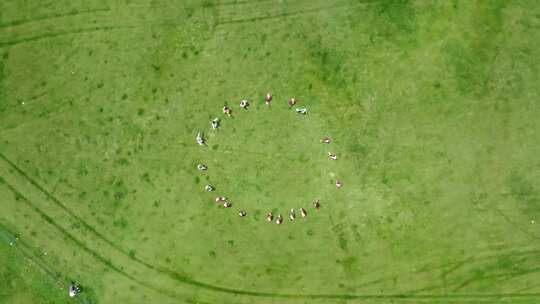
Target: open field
433, 108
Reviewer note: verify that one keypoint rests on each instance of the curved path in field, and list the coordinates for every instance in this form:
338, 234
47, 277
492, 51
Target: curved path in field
32, 196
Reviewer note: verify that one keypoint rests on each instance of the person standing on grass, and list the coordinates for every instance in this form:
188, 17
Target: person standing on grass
292, 215
200, 139
326, 140
302, 111
267, 98
317, 205
227, 111
291, 102
215, 123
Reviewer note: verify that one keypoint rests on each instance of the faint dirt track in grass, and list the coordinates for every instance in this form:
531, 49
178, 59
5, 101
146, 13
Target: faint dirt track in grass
178, 277
51, 16
280, 13
137, 23
27, 253
103, 260
61, 33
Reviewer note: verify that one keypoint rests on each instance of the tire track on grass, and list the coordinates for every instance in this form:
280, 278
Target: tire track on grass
27, 253
174, 275
515, 226
73, 13
52, 16
301, 12
183, 279
8, 43
103, 260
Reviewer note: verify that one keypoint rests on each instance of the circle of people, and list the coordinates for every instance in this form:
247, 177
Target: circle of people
223, 201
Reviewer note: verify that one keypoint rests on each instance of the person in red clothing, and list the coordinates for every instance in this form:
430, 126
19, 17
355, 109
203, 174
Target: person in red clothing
227, 111
267, 98
292, 102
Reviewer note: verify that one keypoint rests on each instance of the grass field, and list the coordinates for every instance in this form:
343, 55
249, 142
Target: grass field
433, 108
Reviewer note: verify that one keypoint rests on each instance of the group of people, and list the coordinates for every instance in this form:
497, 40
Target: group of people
223, 201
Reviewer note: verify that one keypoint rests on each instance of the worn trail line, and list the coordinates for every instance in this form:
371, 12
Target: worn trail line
79, 243
63, 33
181, 278
74, 12
219, 21
27, 253
283, 14
52, 16
516, 226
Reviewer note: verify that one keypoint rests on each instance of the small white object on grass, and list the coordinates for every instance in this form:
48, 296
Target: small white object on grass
292, 215
200, 139
292, 102
244, 103
215, 123
209, 188
302, 111
72, 290
267, 98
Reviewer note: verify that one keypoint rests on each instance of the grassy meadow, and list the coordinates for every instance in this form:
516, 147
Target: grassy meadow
433, 109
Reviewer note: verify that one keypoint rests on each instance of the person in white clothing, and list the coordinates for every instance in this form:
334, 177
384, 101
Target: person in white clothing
292, 215
244, 104
302, 111
215, 123
200, 139
267, 98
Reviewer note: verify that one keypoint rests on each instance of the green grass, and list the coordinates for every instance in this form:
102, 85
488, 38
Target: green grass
432, 105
